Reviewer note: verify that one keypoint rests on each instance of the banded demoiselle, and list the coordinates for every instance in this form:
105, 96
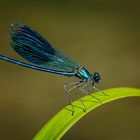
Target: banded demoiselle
44, 57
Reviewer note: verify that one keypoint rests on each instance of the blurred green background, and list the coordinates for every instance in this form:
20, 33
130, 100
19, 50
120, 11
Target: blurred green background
103, 36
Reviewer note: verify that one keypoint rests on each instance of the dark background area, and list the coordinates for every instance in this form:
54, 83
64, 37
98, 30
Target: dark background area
103, 36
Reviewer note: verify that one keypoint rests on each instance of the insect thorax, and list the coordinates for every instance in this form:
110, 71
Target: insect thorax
82, 73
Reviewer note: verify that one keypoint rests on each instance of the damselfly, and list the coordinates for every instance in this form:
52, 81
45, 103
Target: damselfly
44, 57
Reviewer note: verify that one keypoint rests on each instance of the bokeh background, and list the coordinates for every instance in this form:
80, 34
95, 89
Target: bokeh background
103, 36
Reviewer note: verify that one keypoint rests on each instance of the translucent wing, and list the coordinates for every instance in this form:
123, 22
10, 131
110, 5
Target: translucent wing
34, 48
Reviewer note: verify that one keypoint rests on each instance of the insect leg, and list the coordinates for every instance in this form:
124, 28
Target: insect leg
88, 93
99, 90
72, 83
79, 97
67, 91
84, 107
76, 84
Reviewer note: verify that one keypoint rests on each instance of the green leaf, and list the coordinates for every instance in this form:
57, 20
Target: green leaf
64, 119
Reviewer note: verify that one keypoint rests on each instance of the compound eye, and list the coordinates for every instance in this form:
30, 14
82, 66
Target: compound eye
97, 77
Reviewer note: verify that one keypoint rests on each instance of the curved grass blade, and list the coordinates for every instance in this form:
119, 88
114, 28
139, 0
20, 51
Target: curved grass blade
63, 120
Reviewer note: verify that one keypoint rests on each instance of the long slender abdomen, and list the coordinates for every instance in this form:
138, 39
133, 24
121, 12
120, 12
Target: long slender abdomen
36, 67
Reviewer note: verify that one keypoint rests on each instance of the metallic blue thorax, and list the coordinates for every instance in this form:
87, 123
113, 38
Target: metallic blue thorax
83, 74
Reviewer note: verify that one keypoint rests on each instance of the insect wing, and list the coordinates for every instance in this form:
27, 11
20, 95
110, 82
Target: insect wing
34, 48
